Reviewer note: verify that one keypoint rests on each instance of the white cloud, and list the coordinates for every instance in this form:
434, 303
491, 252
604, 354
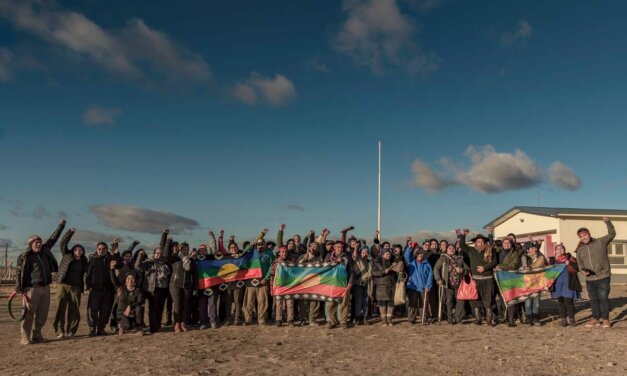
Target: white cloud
136, 51
96, 115
133, 218
377, 34
425, 177
275, 91
522, 32
492, 172
562, 176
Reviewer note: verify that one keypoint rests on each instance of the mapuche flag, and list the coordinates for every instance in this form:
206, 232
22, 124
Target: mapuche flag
228, 270
519, 285
315, 281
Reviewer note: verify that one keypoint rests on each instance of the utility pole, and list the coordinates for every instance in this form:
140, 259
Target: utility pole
379, 195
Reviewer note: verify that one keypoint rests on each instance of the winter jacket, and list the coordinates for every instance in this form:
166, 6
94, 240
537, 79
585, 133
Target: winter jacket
475, 259
419, 274
593, 256
182, 276
98, 272
156, 273
384, 284
126, 297
362, 270
68, 262
510, 259
443, 266
36, 268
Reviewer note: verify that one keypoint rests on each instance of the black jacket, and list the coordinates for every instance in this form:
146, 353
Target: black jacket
37, 267
67, 257
98, 272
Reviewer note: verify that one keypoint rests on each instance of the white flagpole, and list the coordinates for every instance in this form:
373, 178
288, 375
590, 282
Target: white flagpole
379, 195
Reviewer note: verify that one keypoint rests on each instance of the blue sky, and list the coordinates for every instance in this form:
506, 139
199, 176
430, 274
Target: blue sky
243, 115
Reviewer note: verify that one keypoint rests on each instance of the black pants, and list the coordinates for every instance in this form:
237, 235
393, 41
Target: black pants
434, 296
233, 306
128, 323
180, 303
566, 307
99, 304
452, 302
485, 287
156, 303
415, 299
168, 308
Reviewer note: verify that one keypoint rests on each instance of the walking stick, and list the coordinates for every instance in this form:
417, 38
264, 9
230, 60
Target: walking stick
440, 292
424, 308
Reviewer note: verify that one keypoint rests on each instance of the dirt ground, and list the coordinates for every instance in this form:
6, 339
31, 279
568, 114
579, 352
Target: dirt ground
365, 350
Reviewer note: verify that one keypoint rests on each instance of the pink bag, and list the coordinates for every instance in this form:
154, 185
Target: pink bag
467, 290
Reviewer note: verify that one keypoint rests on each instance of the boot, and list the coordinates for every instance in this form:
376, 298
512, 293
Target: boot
529, 319
177, 327
563, 322
477, 316
183, 327
511, 321
489, 317
572, 322
536, 319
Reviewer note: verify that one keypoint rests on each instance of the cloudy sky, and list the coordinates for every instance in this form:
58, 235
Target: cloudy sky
241, 115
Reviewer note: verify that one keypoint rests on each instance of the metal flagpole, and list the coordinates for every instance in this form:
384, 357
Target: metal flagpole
379, 195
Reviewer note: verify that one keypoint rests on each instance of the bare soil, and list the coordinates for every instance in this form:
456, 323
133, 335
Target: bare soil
365, 350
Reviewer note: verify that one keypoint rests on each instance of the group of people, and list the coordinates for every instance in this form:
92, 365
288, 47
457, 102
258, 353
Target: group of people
419, 281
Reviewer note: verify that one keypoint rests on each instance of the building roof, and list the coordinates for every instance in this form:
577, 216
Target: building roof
552, 212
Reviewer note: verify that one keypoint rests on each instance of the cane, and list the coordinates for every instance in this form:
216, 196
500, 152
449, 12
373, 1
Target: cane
424, 307
441, 292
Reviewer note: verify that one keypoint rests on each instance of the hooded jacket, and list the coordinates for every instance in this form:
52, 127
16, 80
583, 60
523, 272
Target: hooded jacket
593, 256
36, 268
69, 263
419, 274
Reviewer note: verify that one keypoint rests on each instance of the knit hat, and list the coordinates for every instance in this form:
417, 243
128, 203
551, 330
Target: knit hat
32, 239
202, 246
127, 253
418, 251
364, 248
426, 241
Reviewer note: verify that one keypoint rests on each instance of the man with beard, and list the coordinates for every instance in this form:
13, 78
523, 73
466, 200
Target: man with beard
34, 274
482, 261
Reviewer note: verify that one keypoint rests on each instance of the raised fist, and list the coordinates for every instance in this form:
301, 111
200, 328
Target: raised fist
282, 227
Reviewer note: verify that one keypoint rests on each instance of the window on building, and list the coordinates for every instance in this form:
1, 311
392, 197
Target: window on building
616, 252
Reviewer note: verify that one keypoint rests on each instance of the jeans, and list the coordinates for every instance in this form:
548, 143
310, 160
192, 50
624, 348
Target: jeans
598, 293
532, 306
207, 312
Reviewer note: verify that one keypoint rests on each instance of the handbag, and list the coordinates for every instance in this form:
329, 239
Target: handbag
467, 290
399, 293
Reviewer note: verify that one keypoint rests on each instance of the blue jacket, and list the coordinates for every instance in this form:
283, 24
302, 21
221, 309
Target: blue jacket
419, 275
